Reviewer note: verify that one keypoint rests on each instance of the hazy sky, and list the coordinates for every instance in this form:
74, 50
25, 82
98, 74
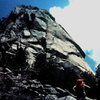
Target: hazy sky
81, 19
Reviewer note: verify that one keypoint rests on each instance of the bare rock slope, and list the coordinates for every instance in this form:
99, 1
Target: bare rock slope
34, 46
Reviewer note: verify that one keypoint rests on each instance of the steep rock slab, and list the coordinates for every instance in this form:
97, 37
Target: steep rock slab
49, 49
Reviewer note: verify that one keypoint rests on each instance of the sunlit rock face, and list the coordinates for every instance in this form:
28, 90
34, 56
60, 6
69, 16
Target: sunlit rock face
38, 43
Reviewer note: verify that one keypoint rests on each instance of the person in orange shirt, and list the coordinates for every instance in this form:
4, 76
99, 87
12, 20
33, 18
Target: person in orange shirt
79, 89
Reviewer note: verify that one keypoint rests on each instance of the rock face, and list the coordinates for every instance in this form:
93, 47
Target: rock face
31, 40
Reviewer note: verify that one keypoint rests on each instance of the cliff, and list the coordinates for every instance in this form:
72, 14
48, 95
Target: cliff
35, 47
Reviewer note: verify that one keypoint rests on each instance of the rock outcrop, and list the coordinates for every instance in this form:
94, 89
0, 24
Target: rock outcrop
31, 41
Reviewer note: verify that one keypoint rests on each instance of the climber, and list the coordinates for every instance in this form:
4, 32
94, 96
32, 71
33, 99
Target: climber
79, 89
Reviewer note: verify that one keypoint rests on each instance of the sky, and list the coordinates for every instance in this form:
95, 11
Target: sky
80, 18
7, 5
